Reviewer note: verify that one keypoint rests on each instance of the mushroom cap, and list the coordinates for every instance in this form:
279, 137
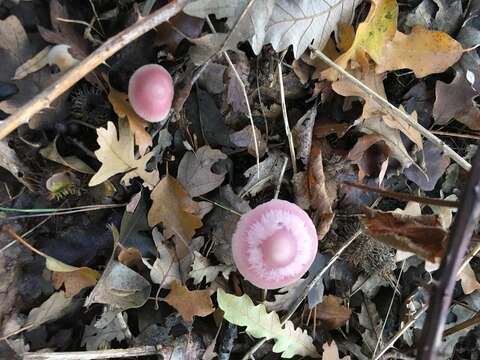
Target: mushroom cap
150, 91
274, 244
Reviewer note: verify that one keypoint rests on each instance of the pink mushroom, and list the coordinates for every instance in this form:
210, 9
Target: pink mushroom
274, 244
150, 91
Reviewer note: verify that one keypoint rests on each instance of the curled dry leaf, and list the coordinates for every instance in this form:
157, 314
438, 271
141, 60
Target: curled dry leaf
190, 303
137, 125
175, 210
423, 51
117, 155
332, 312
422, 235
39, 61
302, 134
195, 171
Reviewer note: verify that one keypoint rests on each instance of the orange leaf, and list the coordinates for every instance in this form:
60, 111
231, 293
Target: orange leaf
175, 210
333, 314
190, 303
74, 281
124, 110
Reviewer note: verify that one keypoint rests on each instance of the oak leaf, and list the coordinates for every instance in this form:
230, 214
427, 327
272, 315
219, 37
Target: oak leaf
241, 311
117, 155
423, 51
201, 269
176, 211
137, 124
190, 303
330, 352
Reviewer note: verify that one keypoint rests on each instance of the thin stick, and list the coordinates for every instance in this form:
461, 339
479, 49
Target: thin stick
245, 95
463, 228
99, 56
465, 136
98, 354
280, 178
397, 112
285, 119
404, 196
310, 286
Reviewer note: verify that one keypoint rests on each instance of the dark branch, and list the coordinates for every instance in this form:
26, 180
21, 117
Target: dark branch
441, 297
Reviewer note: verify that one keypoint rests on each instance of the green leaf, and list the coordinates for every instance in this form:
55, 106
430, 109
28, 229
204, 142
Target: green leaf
240, 310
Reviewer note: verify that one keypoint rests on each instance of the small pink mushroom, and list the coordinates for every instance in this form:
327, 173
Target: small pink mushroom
150, 91
274, 244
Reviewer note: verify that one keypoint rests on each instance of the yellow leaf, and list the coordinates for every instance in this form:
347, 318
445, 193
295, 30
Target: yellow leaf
117, 155
124, 110
190, 303
425, 52
378, 28
173, 207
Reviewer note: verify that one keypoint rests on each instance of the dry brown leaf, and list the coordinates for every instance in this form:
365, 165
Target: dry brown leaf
422, 235
124, 110
423, 51
39, 61
130, 256
345, 35
332, 312
244, 138
74, 281
370, 163
190, 303
171, 32
468, 280
174, 209
195, 171
330, 352
320, 199
404, 127
117, 155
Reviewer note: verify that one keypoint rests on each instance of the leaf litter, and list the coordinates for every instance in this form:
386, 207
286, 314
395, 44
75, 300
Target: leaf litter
177, 189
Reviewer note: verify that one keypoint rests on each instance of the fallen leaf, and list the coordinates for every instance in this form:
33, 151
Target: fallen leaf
75, 281
55, 307
120, 287
137, 125
456, 100
235, 96
302, 134
38, 62
244, 139
174, 209
370, 320
201, 269
330, 352
320, 199
50, 152
195, 171
468, 279
423, 51
371, 37
12, 163
96, 335
117, 156
130, 256
332, 312
441, 15
190, 303
241, 311
170, 33
165, 269
422, 235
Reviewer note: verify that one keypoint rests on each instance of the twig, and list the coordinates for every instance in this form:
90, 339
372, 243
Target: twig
98, 354
396, 112
463, 325
285, 119
310, 286
403, 196
245, 95
280, 178
463, 228
99, 56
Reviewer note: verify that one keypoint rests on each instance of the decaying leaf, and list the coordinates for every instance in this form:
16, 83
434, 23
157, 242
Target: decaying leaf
11, 162
98, 334
118, 156
330, 352
468, 280
190, 303
370, 320
244, 139
302, 134
201, 269
332, 312
422, 235
75, 281
120, 287
137, 125
50, 152
176, 211
56, 306
378, 28
456, 100
39, 61
289, 341
166, 268
195, 171
425, 52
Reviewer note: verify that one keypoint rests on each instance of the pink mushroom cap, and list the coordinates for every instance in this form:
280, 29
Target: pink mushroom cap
150, 91
274, 244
